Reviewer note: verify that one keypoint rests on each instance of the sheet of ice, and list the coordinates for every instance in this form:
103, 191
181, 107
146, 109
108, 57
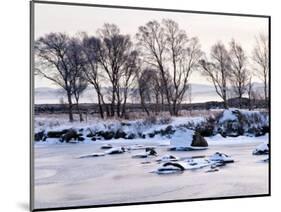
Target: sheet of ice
96, 181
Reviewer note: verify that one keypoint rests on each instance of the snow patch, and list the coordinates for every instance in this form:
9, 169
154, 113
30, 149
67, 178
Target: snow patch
182, 138
228, 115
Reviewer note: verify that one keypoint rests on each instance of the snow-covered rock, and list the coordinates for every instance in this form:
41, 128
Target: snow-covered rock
115, 150
228, 115
184, 139
171, 168
97, 154
262, 149
148, 152
221, 158
197, 163
212, 162
167, 158
106, 146
235, 122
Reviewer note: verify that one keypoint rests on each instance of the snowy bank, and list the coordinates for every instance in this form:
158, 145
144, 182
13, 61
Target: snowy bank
228, 123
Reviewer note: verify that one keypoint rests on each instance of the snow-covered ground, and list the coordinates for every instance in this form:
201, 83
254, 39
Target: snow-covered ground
59, 123
63, 179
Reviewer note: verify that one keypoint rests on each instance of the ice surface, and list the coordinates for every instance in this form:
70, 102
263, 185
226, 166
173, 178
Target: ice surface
62, 180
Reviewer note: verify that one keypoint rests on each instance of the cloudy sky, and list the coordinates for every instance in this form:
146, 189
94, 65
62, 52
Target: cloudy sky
208, 28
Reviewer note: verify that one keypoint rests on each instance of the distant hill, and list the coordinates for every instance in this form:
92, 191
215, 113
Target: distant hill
47, 95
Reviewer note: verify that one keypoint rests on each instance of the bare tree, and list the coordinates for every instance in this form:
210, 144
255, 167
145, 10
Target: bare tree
127, 79
261, 59
143, 88
239, 72
250, 92
152, 41
167, 48
185, 54
218, 70
91, 46
189, 96
149, 88
53, 64
114, 52
77, 65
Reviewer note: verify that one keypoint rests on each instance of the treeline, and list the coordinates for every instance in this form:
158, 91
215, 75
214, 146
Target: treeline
156, 68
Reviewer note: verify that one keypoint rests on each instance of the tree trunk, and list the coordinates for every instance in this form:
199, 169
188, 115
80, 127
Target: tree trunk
118, 109
250, 103
174, 109
100, 107
107, 109
79, 112
70, 106
112, 112
225, 105
157, 104
265, 89
124, 106
240, 100
162, 101
144, 107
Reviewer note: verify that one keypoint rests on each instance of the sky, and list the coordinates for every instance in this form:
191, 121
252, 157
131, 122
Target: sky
208, 28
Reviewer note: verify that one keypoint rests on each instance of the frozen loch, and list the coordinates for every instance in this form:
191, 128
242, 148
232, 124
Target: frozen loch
64, 179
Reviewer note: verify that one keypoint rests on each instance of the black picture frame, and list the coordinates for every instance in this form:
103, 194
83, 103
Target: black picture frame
32, 3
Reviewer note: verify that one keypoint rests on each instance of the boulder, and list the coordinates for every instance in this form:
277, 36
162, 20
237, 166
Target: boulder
262, 149
39, 136
169, 130
56, 134
150, 151
80, 138
106, 146
131, 136
151, 135
90, 135
120, 134
205, 130
198, 140
108, 135
185, 139
69, 135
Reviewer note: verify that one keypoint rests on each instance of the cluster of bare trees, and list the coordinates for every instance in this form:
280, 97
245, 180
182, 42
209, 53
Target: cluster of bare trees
230, 69
157, 67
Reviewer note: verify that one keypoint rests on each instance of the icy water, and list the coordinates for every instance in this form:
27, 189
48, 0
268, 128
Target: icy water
63, 180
